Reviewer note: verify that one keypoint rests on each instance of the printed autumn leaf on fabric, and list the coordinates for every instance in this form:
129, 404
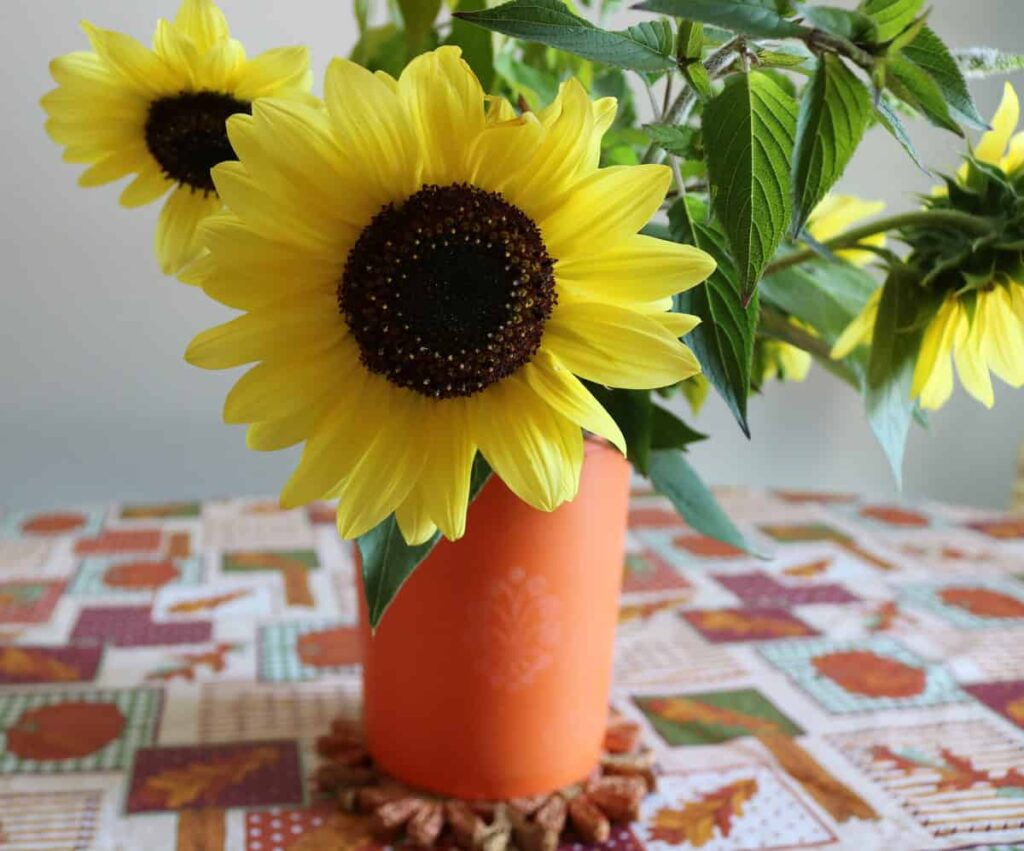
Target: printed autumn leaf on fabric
983, 602
740, 623
203, 782
206, 604
142, 575
682, 710
808, 569
215, 660
643, 611
294, 567
20, 664
1015, 710
955, 773
697, 821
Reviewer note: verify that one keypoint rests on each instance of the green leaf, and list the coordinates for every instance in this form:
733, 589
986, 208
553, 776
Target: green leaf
747, 17
724, 341
914, 85
644, 47
673, 477
980, 62
632, 410
676, 139
419, 17
834, 113
891, 369
388, 561
749, 134
845, 23
382, 48
929, 53
670, 432
690, 41
891, 16
477, 44
894, 124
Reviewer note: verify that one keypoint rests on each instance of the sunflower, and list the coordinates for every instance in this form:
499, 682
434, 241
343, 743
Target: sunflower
160, 114
979, 330
424, 278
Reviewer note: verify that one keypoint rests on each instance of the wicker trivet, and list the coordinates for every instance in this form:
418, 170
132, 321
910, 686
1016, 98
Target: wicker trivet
585, 811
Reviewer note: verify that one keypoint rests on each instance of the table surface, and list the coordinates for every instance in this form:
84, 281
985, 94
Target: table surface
165, 670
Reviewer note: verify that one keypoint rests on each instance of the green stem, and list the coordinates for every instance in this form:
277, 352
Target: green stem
776, 325
918, 218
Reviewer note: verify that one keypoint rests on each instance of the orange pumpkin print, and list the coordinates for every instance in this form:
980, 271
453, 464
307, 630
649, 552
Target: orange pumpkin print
57, 523
330, 648
983, 602
134, 575
64, 730
705, 547
868, 674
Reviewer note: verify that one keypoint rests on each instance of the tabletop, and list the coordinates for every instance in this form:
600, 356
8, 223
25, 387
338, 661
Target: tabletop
165, 670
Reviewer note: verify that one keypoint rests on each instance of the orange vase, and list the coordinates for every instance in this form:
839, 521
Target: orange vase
488, 677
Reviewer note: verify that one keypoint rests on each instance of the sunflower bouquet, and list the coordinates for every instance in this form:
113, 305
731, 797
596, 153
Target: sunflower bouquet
472, 251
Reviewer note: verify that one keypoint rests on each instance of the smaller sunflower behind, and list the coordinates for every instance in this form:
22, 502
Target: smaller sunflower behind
160, 114
423, 279
969, 289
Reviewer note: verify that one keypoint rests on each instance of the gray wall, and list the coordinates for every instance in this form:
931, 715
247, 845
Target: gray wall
97, 402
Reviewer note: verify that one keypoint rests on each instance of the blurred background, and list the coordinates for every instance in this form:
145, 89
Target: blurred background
98, 404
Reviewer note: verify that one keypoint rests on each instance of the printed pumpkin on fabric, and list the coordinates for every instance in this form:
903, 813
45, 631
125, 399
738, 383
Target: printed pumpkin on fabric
423, 278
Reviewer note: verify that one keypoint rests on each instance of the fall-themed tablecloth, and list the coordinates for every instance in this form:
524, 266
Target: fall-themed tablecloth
165, 670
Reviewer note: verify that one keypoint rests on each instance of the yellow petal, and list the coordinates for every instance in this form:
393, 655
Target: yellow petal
501, 152
115, 166
177, 50
560, 389
1014, 158
933, 373
413, 521
177, 241
445, 103
203, 23
82, 67
221, 67
499, 110
272, 435
139, 67
971, 364
536, 451
617, 347
838, 213
795, 363
1003, 344
993, 144
371, 128
677, 324
274, 71
149, 186
366, 496
275, 330
638, 269
609, 206
449, 450
861, 330
246, 271
272, 212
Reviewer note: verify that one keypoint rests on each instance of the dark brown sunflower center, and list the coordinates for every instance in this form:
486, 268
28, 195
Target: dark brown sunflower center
449, 292
187, 135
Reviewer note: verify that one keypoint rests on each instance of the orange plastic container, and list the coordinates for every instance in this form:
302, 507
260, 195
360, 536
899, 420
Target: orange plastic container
489, 675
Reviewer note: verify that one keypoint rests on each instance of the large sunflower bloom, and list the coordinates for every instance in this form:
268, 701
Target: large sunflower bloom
160, 114
424, 279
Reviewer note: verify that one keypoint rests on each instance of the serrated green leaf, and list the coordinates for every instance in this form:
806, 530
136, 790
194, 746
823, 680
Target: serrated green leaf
914, 85
644, 47
388, 561
845, 23
749, 131
980, 62
676, 139
670, 432
747, 17
930, 53
690, 40
892, 122
724, 341
673, 477
834, 113
891, 16
891, 370
699, 78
